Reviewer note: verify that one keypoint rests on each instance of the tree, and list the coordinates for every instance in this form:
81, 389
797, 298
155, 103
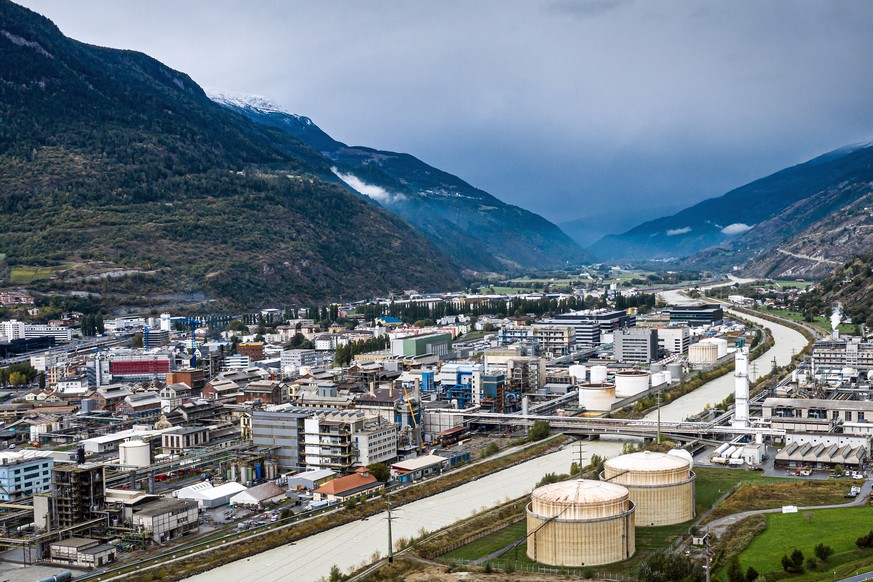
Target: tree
17, 378
380, 471
793, 564
735, 571
236, 325
538, 430
136, 340
669, 566
823, 552
491, 449
335, 574
42, 381
751, 574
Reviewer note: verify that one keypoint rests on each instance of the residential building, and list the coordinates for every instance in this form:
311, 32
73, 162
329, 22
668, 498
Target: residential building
23, 473
195, 378
636, 345
265, 391
254, 351
236, 362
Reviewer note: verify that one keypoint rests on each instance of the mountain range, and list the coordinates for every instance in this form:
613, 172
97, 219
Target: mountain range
475, 228
801, 221
110, 161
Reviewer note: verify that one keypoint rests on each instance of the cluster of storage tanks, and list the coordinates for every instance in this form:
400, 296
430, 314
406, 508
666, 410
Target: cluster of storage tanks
587, 523
245, 471
596, 395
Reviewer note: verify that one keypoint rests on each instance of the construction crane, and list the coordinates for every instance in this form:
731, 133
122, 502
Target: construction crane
420, 444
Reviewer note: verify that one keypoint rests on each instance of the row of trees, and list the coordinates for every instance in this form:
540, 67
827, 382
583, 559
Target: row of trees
17, 374
345, 354
91, 324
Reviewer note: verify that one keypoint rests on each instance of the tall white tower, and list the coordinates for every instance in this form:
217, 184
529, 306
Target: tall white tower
166, 322
741, 390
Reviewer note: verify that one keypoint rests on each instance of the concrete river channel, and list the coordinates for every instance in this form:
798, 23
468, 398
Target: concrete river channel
355, 543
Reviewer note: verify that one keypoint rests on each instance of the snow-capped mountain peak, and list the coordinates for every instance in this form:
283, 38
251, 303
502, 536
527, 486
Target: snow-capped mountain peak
258, 103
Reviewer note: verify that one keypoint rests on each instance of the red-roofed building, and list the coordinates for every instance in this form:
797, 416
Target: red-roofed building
359, 482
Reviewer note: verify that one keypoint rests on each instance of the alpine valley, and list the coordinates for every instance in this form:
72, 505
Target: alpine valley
124, 178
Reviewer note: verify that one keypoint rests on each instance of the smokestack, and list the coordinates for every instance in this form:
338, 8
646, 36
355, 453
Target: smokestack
741, 388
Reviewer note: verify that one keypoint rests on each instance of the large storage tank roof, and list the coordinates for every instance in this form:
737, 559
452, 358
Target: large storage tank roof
580, 492
647, 461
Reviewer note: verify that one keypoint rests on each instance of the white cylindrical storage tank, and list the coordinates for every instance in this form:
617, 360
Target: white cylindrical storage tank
728, 452
675, 371
668, 377
580, 523
658, 378
660, 485
579, 372
721, 449
721, 344
135, 453
631, 382
597, 374
597, 397
703, 353
656, 367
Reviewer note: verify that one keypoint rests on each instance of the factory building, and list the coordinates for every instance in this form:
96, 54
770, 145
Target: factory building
439, 344
660, 485
79, 492
580, 523
590, 324
842, 352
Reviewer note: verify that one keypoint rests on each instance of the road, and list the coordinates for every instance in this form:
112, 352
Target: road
787, 343
355, 543
351, 545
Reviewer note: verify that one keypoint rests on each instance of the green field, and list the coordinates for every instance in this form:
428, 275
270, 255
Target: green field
22, 275
838, 528
711, 484
821, 321
794, 284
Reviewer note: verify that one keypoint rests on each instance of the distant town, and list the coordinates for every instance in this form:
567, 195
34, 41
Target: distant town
125, 438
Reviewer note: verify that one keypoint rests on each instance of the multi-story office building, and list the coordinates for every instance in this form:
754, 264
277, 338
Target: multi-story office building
23, 473
697, 314
438, 344
675, 340
283, 430
636, 346
299, 358
590, 324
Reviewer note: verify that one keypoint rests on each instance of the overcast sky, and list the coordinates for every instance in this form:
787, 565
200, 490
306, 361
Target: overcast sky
573, 109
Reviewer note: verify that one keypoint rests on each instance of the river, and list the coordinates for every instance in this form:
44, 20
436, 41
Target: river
350, 545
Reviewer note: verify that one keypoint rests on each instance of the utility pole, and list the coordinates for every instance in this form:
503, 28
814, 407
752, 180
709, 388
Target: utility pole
708, 553
580, 458
658, 441
390, 539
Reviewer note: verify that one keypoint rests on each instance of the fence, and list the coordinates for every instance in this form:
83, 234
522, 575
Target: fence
471, 538
579, 574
